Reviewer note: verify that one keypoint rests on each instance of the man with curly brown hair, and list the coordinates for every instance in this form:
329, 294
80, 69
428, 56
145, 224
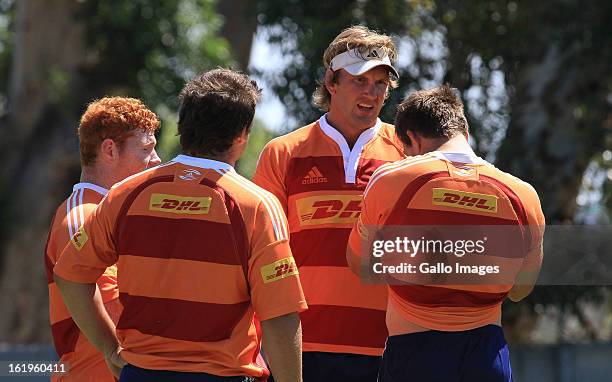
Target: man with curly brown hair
116, 139
319, 172
206, 271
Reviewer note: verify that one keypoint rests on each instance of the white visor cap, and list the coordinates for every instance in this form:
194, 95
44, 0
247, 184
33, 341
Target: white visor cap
357, 63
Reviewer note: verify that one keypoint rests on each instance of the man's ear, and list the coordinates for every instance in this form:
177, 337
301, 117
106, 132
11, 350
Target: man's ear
330, 85
108, 151
416, 143
243, 137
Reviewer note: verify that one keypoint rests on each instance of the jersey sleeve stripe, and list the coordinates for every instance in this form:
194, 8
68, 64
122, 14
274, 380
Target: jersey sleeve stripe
272, 207
381, 170
81, 209
74, 210
69, 214
393, 168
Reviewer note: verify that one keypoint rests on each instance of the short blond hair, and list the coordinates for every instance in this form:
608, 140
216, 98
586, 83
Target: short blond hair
356, 37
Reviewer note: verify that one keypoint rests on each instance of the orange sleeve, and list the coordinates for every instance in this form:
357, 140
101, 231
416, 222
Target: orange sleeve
273, 275
271, 170
107, 283
363, 232
91, 249
535, 217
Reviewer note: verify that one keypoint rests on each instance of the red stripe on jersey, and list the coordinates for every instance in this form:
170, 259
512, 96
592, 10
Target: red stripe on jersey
418, 216
65, 335
501, 241
331, 170
127, 203
180, 319
517, 205
239, 231
434, 297
320, 247
366, 169
49, 269
344, 326
330, 167
397, 214
151, 236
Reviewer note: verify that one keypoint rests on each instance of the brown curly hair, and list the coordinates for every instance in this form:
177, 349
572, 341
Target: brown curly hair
433, 113
216, 107
113, 118
356, 37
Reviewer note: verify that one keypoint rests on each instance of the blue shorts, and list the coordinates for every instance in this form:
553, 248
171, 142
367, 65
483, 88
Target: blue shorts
131, 373
478, 355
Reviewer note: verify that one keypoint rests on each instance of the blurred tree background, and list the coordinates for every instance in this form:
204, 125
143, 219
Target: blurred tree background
535, 78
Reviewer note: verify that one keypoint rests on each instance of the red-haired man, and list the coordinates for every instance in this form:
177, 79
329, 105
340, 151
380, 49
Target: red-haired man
116, 139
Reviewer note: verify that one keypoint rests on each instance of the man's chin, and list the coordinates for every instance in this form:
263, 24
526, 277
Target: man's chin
367, 121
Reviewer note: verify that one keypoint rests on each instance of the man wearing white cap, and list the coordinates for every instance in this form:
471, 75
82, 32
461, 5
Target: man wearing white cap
319, 173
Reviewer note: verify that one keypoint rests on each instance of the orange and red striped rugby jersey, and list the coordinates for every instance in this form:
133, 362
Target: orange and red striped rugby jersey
442, 189
319, 181
200, 250
85, 363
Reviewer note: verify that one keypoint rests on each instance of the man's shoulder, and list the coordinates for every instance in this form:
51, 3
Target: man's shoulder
138, 179
247, 193
78, 204
392, 174
294, 139
520, 187
418, 164
386, 132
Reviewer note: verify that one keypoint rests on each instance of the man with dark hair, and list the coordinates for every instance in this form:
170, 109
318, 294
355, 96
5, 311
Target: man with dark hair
116, 140
447, 328
201, 252
319, 172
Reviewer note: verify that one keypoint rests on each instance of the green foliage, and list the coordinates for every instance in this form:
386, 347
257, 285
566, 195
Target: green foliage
257, 140
167, 140
148, 49
173, 41
303, 29
478, 47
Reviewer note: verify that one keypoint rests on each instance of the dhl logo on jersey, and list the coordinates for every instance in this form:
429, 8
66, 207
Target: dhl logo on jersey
465, 200
278, 270
79, 239
175, 204
325, 209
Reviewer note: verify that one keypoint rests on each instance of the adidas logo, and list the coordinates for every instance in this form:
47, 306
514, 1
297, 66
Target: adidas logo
373, 54
314, 176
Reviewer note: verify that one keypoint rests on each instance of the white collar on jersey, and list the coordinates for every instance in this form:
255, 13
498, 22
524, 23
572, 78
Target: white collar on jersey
203, 163
459, 157
350, 157
100, 190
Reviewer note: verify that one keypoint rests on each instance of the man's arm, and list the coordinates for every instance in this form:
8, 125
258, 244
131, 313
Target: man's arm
523, 285
270, 172
358, 239
87, 310
527, 276
282, 341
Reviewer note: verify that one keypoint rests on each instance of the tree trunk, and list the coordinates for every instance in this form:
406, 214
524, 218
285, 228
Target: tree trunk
37, 152
239, 25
